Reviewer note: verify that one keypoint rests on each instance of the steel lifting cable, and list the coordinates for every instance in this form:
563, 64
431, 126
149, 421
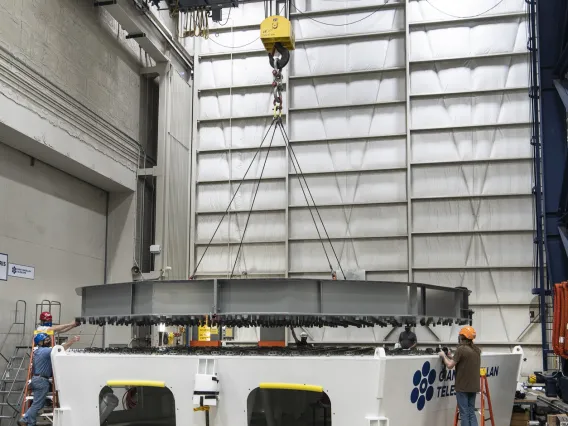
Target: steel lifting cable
252, 203
232, 199
301, 176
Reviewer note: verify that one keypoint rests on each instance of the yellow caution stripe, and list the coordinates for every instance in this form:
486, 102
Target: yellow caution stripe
147, 383
292, 386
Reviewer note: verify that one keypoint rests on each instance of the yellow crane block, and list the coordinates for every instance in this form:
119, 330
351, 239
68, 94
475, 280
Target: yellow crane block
277, 29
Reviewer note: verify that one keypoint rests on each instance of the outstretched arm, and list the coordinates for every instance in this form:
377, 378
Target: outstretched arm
64, 328
70, 342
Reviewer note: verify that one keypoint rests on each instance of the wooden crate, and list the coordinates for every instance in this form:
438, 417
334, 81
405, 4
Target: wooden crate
520, 419
557, 420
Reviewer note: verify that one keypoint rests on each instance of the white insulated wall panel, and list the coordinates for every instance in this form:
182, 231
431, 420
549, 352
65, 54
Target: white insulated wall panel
471, 174
468, 75
222, 135
326, 58
365, 154
374, 87
496, 143
450, 206
355, 121
421, 11
509, 35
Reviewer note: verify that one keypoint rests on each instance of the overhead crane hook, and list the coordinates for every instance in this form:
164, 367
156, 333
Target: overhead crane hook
277, 35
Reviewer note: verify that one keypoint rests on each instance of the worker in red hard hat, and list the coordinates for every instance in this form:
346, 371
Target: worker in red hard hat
46, 324
467, 362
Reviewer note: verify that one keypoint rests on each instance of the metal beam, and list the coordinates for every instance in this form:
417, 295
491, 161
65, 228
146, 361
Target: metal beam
354, 238
246, 179
326, 272
441, 95
470, 127
266, 86
230, 54
238, 149
236, 243
350, 172
255, 210
350, 37
407, 128
349, 106
346, 205
348, 138
347, 73
473, 232
322, 12
550, 139
150, 34
471, 161
266, 116
564, 237
499, 17
249, 301
123, 15
474, 268
152, 171
468, 196
562, 89
468, 58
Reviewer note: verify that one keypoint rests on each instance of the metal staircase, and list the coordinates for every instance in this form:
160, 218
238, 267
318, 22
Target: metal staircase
13, 379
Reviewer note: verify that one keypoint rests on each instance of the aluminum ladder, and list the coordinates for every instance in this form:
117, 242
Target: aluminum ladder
45, 415
12, 382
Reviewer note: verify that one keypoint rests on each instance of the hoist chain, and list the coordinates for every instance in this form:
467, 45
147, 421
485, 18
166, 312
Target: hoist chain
277, 87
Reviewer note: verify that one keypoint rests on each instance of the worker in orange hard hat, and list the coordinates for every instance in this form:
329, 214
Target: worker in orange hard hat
467, 362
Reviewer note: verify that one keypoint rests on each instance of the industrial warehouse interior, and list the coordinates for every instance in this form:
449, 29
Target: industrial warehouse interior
283, 212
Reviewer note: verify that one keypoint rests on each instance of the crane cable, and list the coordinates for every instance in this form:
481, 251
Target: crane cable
252, 203
277, 122
231, 201
301, 176
277, 87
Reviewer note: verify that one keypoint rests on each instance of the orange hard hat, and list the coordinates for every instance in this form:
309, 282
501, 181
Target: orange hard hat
468, 332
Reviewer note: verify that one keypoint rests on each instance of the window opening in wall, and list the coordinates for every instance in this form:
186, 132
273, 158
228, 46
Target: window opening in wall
288, 408
136, 406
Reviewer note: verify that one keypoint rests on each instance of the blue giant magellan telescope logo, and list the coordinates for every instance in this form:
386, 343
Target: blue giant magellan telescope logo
423, 381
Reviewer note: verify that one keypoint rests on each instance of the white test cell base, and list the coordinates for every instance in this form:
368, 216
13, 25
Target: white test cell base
374, 390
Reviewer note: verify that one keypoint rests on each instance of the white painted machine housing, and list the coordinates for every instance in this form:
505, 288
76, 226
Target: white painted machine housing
364, 390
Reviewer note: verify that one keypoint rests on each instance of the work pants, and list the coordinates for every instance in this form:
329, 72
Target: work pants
466, 405
40, 387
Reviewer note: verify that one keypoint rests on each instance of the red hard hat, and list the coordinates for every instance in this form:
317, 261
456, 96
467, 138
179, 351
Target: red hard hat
45, 316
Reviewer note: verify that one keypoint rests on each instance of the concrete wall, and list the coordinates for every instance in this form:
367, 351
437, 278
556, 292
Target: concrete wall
70, 98
69, 81
55, 223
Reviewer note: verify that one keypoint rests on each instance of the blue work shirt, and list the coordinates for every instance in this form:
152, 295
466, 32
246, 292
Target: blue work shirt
42, 362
